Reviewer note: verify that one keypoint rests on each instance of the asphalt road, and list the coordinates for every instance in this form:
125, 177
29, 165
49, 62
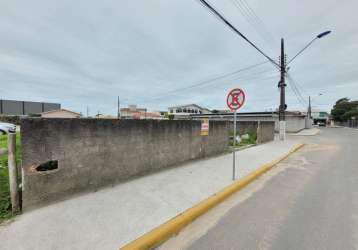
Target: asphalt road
309, 201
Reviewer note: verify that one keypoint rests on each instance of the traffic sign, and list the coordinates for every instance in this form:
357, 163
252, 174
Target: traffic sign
204, 127
235, 99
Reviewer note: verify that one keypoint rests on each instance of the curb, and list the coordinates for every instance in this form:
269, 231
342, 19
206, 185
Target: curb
163, 232
318, 131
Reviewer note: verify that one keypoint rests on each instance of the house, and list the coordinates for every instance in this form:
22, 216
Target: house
60, 113
186, 110
319, 116
133, 112
101, 116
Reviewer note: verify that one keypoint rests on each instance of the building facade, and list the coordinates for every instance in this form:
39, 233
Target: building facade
60, 113
319, 116
133, 112
187, 110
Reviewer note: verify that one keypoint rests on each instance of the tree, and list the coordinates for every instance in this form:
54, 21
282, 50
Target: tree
171, 116
344, 109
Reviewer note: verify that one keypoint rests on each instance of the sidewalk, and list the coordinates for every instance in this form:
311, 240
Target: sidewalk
307, 132
112, 217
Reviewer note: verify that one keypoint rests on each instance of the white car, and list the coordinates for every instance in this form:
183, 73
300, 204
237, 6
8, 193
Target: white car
7, 128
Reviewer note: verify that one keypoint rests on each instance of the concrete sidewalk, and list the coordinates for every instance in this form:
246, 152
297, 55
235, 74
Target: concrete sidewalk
112, 217
307, 132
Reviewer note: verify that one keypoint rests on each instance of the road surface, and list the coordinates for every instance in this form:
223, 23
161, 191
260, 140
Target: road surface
309, 201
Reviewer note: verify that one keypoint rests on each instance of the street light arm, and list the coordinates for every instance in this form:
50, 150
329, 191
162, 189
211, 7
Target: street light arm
304, 48
319, 36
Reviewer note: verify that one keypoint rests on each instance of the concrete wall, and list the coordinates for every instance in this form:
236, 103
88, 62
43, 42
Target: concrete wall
10, 107
265, 131
294, 123
308, 122
93, 153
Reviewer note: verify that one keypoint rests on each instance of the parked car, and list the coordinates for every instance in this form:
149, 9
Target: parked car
7, 128
321, 124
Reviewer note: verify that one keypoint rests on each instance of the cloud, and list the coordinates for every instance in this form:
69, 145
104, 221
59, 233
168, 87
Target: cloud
86, 53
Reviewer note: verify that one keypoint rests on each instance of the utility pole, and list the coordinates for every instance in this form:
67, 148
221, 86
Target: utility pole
118, 106
282, 85
309, 108
87, 111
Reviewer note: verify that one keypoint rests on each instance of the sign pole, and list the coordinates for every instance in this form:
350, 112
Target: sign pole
235, 100
234, 151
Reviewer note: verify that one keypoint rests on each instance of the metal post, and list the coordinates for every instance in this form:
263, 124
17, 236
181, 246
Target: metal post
14, 190
234, 151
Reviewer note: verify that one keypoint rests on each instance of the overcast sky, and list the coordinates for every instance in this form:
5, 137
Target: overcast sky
86, 53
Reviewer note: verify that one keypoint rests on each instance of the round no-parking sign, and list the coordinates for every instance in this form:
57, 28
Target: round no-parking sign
235, 99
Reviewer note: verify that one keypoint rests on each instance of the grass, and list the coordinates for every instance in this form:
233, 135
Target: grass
244, 142
5, 205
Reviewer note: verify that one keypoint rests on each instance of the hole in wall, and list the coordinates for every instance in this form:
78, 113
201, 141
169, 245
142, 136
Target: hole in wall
47, 166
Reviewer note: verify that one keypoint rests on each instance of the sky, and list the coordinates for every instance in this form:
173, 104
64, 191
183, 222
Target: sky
151, 53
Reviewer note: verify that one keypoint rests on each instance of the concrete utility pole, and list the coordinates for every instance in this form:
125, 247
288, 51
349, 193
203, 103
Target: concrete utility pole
118, 106
14, 188
282, 85
309, 111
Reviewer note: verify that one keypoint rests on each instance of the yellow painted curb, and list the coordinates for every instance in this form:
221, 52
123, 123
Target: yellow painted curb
161, 233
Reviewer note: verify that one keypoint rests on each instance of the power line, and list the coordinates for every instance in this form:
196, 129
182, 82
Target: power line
253, 19
259, 20
299, 85
297, 93
297, 96
207, 5
213, 84
207, 81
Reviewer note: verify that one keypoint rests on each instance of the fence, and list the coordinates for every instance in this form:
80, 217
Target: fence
353, 123
11, 107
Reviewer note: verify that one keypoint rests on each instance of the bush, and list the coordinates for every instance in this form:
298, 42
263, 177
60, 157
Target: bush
14, 119
251, 140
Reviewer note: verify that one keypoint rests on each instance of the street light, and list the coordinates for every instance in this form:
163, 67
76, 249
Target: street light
309, 105
282, 84
319, 36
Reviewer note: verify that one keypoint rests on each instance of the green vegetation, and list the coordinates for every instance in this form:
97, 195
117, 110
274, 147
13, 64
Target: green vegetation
5, 206
344, 110
244, 142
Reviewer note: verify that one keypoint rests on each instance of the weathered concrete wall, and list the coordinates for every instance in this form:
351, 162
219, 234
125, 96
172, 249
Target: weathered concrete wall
294, 123
265, 131
93, 153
